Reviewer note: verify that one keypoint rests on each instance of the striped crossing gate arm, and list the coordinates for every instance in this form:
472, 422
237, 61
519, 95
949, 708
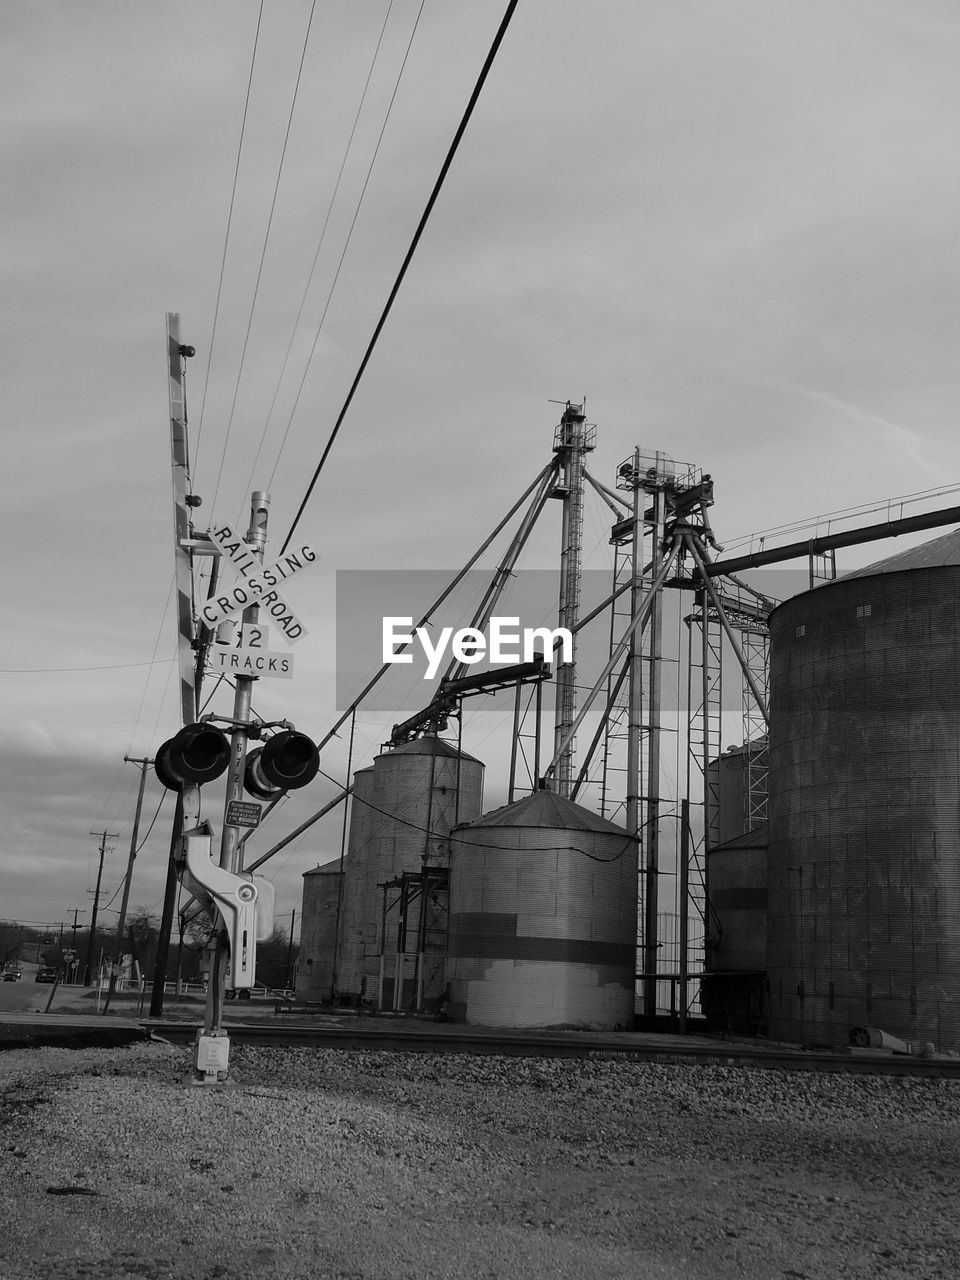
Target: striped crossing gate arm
183, 566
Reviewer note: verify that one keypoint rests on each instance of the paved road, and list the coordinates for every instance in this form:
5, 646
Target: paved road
18, 997
27, 995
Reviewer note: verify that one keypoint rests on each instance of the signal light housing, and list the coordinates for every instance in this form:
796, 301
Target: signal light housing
197, 754
286, 762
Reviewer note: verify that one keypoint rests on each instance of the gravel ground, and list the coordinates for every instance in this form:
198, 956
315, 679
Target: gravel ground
326, 1163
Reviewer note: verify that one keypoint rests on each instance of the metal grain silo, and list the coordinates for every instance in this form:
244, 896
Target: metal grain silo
543, 918
864, 862
403, 811
733, 988
736, 882
728, 788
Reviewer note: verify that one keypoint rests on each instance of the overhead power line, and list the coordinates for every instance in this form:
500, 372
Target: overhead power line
461, 129
346, 245
226, 238
316, 258
263, 252
110, 666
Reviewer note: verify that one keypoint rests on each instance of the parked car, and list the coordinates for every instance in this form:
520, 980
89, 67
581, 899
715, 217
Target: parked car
11, 973
46, 973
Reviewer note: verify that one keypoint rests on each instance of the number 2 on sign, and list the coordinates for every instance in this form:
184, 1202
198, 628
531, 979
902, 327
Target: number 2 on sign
251, 637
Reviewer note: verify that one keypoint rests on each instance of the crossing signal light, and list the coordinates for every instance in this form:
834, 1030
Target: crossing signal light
285, 762
197, 754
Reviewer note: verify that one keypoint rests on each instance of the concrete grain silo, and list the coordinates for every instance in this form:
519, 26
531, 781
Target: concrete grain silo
864, 860
318, 932
351, 944
543, 918
403, 810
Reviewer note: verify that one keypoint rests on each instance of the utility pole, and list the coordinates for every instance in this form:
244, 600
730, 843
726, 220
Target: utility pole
231, 850
166, 918
143, 763
74, 966
104, 837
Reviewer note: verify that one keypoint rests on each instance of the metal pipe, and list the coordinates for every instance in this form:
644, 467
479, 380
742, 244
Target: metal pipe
684, 907
447, 591
830, 541
621, 648
611, 698
536, 740
734, 642
606, 494
605, 604
514, 743
504, 570
332, 804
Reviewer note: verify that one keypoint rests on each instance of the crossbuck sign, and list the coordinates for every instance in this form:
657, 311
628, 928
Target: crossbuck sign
258, 585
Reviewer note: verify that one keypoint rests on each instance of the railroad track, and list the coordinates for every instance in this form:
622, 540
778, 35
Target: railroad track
394, 1038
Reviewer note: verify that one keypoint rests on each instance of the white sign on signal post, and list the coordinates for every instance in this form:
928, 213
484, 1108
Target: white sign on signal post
250, 656
258, 585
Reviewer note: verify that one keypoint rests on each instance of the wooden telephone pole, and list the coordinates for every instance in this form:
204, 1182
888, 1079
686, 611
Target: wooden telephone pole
104, 837
143, 763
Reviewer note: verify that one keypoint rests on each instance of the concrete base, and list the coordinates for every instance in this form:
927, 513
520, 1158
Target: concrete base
31, 1030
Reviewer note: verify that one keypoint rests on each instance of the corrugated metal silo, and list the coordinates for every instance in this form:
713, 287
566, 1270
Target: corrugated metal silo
733, 990
864, 866
736, 874
401, 818
727, 791
543, 918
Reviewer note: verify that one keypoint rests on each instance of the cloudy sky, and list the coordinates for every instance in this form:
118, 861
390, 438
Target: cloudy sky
731, 226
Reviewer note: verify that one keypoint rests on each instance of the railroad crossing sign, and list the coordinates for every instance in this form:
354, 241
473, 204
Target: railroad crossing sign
257, 586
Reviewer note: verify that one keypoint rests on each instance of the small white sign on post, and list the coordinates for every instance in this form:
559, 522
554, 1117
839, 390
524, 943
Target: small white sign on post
251, 662
250, 656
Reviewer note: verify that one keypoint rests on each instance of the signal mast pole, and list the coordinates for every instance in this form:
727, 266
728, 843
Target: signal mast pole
183, 500
231, 848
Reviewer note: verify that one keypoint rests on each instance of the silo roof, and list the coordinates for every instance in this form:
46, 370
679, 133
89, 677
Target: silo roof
546, 809
758, 838
929, 555
430, 746
328, 869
